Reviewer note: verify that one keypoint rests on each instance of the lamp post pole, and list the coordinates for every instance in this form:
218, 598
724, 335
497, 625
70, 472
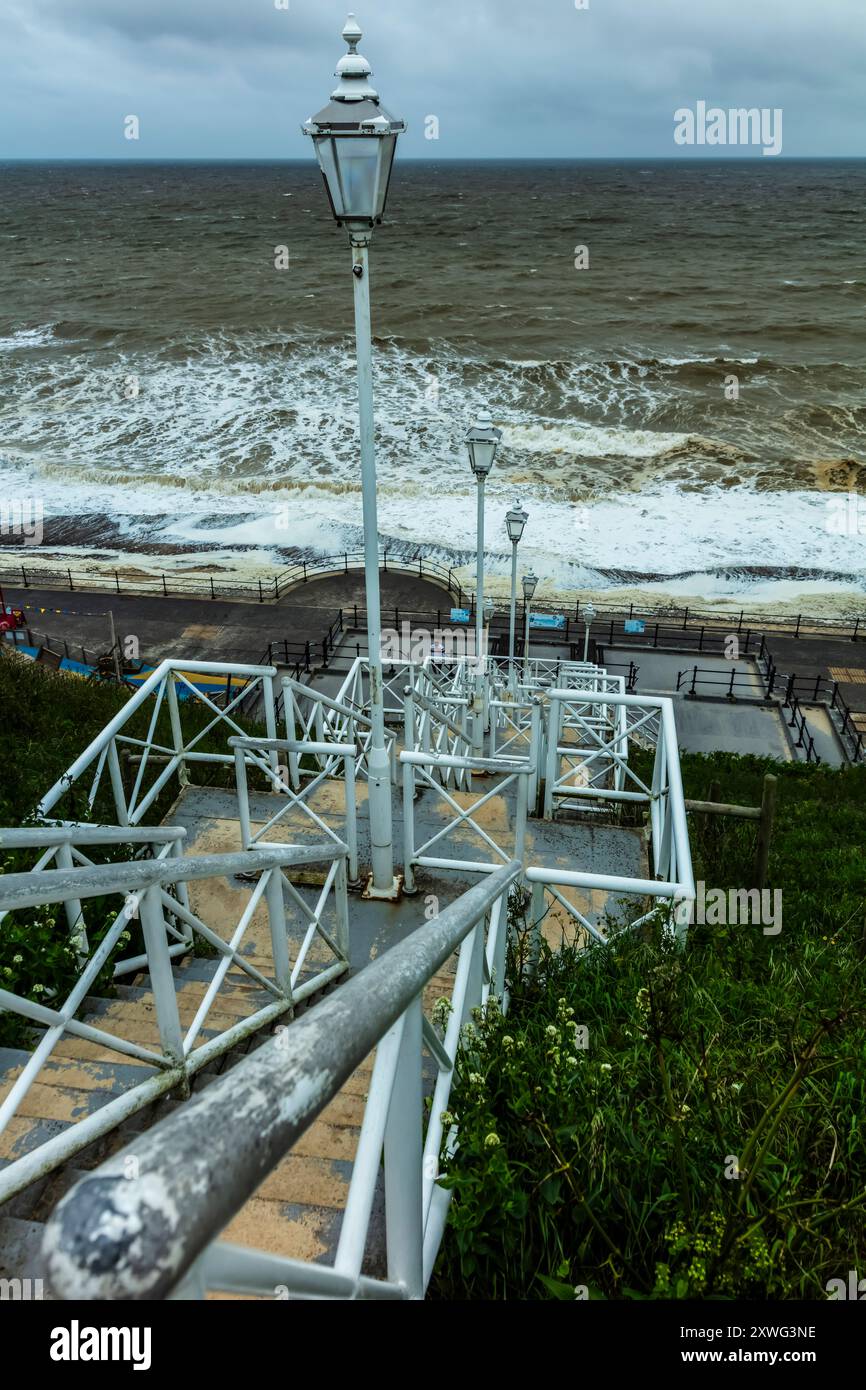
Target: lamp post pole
379, 762
530, 583
480, 663
482, 441
355, 140
513, 616
515, 521
589, 615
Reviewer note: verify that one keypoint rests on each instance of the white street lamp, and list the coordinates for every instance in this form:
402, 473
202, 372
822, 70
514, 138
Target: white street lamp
489, 610
530, 584
589, 617
355, 140
482, 441
515, 521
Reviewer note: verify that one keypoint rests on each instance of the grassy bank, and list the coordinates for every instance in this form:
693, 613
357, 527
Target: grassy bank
653, 1124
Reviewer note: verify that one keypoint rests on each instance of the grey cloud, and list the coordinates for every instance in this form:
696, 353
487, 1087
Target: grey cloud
235, 77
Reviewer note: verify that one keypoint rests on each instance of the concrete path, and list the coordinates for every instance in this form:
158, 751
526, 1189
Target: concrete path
198, 629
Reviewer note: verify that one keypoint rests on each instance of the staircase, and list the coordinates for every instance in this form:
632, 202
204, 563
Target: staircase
311, 1218
298, 1209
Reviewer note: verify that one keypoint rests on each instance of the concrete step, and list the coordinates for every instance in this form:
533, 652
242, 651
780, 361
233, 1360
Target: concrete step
827, 743
113, 1077
57, 1186
21, 1249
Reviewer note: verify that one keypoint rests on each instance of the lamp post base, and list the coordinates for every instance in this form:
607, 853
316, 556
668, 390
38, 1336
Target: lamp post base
384, 895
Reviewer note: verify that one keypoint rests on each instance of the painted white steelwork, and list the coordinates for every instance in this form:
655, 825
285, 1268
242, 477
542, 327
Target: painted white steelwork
419, 767
155, 889
254, 751
160, 692
279, 1090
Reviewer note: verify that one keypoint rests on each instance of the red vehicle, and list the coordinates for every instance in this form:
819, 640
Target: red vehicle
10, 618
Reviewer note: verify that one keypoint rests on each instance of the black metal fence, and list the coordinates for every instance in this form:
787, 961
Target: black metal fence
268, 588
274, 586
852, 627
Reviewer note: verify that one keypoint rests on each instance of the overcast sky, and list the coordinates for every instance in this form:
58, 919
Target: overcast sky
234, 78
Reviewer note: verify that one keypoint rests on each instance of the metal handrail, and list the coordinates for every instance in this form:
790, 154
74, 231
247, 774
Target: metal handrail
677, 896
168, 926
98, 880
236, 1132
33, 837
709, 676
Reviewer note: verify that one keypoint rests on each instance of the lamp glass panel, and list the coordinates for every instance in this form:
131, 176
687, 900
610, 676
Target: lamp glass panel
482, 453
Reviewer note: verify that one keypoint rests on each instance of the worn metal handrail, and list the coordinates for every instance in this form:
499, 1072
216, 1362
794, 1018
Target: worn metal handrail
197, 1168
62, 847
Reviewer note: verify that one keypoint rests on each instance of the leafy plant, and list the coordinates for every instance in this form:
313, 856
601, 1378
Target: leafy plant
707, 1142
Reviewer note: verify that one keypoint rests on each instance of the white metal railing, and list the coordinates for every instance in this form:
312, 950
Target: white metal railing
313, 717
62, 849
93, 1243
644, 732
669, 842
440, 720
510, 724
154, 891
541, 673
254, 751
160, 692
587, 745
547, 885
426, 769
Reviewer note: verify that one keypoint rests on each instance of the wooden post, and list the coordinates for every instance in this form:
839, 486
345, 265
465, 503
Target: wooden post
765, 829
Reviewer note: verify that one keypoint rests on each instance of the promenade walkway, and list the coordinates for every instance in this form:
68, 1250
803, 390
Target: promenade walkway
202, 629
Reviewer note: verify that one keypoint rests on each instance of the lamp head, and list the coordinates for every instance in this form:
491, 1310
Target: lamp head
482, 441
515, 521
355, 140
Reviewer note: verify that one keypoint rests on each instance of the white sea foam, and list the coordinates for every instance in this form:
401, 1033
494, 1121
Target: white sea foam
590, 441
252, 444
28, 338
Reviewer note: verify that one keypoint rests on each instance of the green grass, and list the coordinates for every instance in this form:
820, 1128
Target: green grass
707, 1143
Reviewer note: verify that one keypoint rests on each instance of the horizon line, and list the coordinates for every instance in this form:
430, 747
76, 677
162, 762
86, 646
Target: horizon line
444, 159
